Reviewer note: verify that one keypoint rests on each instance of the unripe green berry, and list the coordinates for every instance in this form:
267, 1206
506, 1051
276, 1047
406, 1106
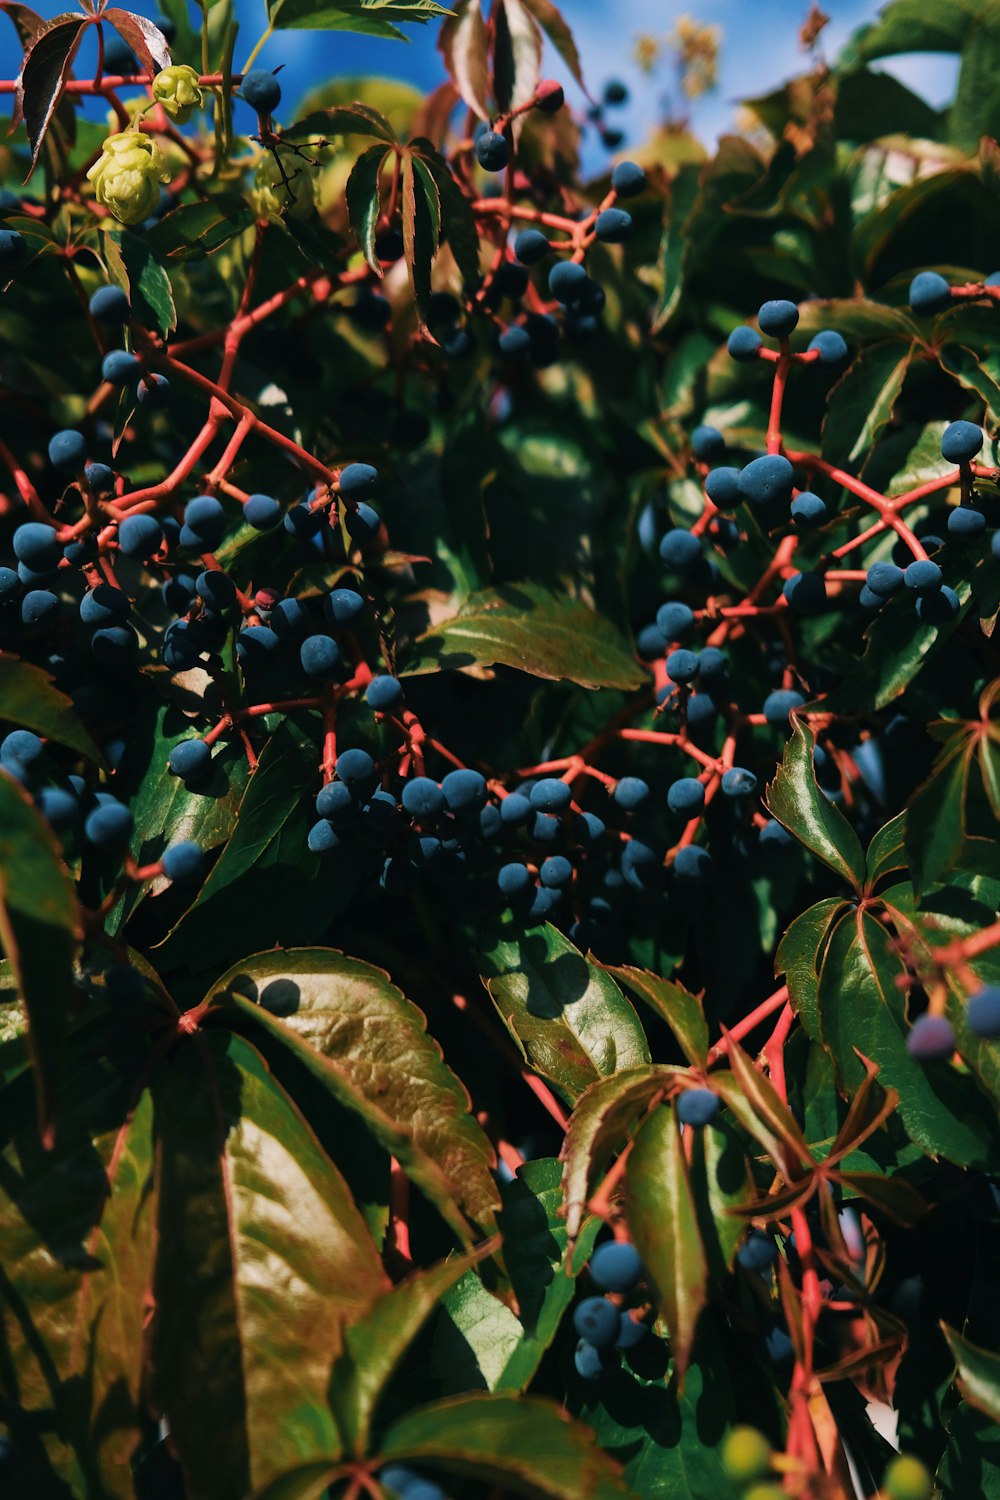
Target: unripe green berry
745, 1454
176, 90
127, 176
907, 1479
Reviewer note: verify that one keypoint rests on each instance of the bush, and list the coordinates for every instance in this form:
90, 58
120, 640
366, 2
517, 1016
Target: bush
500, 775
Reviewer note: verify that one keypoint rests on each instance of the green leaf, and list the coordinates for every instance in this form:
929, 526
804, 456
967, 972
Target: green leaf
978, 1373
342, 120
525, 626
862, 1009
265, 876
663, 1222
368, 1044
886, 850
861, 404
375, 1344
936, 833
39, 925
421, 215
799, 958
568, 1017
683, 1012
197, 229
529, 1445
364, 202
720, 1181
264, 1259
458, 223
78, 1225
970, 1464
603, 1119
795, 799
368, 17
31, 699
479, 1341
554, 24
145, 281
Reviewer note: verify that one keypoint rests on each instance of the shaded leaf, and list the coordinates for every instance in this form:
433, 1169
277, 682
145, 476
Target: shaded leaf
196, 229
683, 1012
861, 404
458, 223
342, 120
663, 1222
599, 1126
517, 56
462, 43
527, 627
421, 216
44, 71
364, 203
369, 17
978, 1373
39, 926
798, 959
146, 39
368, 1044
147, 285
554, 24
886, 850
30, 698
568, 1017
525, 1443
263, 1260
795, 799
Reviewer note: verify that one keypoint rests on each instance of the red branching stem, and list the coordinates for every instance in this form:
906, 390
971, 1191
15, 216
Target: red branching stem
748, 1023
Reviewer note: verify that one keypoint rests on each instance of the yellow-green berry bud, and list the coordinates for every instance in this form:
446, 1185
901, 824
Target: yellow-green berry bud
275, 198
176, 90
745, 1454
127, 176
907, 1479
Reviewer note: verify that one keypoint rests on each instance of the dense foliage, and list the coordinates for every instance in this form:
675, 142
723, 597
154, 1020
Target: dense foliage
501, 762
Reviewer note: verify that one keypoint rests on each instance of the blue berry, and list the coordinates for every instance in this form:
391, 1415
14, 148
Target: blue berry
682, 665
109, 305
831, 346
261, 90
513, 879
362, 523
10, 585
555, 872
939, 607
551, 795
567, 281
100, 477
775, 836
743, 344
322, 839
650, 643
109, 826
67, 450
931, 1039
114, 645
492, 151
531, 246
631, 1332
597, 1320
23, 746
302, 521
544, 828
59, 806
923, 576
966, 521
675, 620
737, 782
590, 1362
204, 523
35, 543
961, 441
758, 1252
697, 1106
13, 249
631, 793
140, 536
190, 759
255, 644
514, 341
929, 293
767, 480
615, 1266
722, 486
808, 509
182, 646
465, 791
320, 656
612, 226
686, 797
39, 607
628, 179
423, 798
119, 367
615, 92
713, 667
778, 318
779, 704
343, 606
355, 768
515, 810
805, 593
679, 549
184, 862
261, 512
337, 804
289, 619
384, 694
983, 1012
884, 579
707, 444
153, 391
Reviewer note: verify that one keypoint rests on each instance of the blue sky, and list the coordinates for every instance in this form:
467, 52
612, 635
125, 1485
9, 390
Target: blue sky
760, 49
